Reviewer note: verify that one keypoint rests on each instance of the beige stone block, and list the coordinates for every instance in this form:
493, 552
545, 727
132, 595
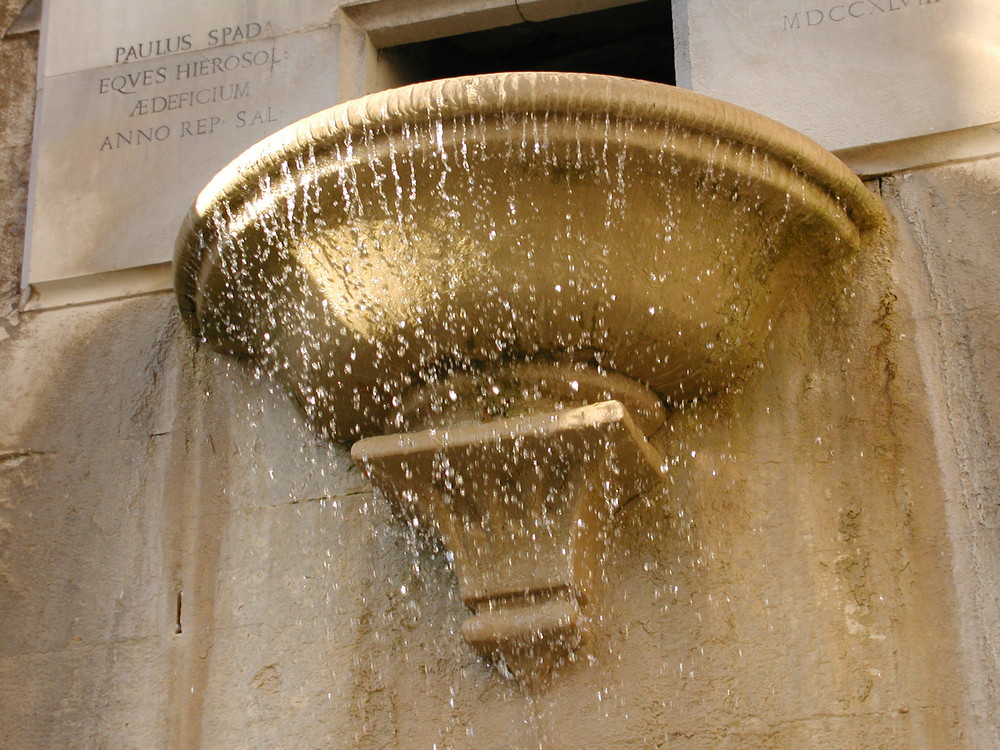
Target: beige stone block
953, 212
267, 686
14, 168
9, 10
318, 629
758, 628
79, 376
292, 563
57, 366
847, 73
86, 695
945, 270
122, 151
18, 60
123, 32
953, 224
275, 456
83, 548
98, 483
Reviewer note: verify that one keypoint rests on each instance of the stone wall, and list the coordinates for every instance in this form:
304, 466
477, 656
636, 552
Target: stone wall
182, 564
18, 61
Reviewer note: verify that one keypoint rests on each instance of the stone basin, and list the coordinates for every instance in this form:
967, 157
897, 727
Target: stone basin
515, 276
373, 251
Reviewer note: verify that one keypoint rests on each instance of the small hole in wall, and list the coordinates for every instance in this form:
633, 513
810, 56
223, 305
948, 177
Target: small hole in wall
634, 41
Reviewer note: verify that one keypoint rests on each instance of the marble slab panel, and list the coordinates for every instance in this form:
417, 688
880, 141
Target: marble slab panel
847, 73
122, 150
85, 35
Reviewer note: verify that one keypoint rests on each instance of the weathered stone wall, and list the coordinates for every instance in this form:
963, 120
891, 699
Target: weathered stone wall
18, 61
183, 564
947, 268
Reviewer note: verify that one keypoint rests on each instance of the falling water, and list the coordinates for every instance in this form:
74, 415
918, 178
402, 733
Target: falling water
361, 271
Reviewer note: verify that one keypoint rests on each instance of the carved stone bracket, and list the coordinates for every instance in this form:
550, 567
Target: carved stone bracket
523, 505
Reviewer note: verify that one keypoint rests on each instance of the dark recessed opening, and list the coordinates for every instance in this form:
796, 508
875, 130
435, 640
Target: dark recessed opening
635, 41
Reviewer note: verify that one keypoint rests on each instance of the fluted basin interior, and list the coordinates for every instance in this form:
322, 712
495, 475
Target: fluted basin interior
457, 225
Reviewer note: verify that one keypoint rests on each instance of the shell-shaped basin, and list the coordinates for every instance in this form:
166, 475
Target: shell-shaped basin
465, 224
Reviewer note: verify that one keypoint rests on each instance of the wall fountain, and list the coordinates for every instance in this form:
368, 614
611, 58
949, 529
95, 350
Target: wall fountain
501, 286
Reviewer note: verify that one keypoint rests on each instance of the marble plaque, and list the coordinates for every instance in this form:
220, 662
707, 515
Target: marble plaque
122, 149
848, 73
84, 35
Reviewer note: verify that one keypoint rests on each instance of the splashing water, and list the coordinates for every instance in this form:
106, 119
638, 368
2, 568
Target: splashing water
401, 262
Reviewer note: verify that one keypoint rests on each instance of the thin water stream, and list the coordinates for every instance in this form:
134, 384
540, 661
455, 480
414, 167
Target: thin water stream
479, 265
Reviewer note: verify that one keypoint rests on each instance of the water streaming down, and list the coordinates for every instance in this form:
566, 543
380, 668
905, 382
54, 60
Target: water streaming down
513, 278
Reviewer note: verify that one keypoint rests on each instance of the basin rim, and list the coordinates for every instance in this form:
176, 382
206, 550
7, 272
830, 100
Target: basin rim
498, 93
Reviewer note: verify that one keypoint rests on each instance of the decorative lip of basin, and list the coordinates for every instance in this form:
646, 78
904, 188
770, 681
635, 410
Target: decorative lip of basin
570, 93
824, 199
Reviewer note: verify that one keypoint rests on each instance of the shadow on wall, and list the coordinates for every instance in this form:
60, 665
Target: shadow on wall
948, 270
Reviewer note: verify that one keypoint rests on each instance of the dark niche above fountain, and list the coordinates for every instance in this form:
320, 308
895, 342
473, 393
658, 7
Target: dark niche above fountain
499, 283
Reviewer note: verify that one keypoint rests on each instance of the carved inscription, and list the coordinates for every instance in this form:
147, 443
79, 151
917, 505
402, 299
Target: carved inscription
200, 89
848, 11
184, 42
